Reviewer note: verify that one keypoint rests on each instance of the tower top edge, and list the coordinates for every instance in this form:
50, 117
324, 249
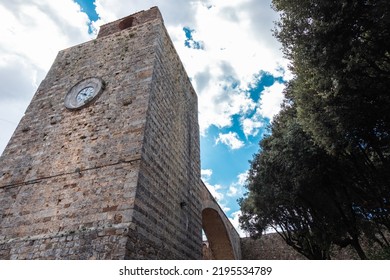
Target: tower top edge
129, 21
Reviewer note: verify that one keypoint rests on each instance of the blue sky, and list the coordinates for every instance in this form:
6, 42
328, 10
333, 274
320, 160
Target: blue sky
89, 8
227, 48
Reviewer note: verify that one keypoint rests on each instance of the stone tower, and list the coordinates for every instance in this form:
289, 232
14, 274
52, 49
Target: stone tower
105, 163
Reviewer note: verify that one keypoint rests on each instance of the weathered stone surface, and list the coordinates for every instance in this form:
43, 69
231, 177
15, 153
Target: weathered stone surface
268, 247
120, 177
107, 181
223, 241
273, 247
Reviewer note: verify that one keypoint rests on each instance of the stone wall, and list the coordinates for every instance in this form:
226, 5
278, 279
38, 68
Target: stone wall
273, 247
167, 205
129, 21
71, 216
268, 247
117, 179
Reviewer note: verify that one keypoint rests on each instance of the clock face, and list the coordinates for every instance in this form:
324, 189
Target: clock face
83, 93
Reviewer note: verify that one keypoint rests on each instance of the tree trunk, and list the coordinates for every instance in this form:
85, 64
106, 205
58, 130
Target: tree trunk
356, 245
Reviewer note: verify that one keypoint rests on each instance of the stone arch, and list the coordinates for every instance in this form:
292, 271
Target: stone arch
127, 22
223, 239
217, 235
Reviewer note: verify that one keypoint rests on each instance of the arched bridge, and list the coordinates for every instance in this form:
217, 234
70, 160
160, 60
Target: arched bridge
223, 239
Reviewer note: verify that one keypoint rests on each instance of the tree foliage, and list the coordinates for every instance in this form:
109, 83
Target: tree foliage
297, 188
322, 177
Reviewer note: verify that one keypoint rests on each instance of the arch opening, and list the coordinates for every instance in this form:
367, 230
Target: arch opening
217, 236
126, 23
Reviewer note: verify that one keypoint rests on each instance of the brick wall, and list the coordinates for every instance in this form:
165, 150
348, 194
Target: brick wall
117, 179
268, 247
129, 21
168, 203
69, 216
273, 247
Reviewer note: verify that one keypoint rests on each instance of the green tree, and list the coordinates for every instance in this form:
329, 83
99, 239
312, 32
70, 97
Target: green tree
340, 58
340, 55
296, 188
321, 178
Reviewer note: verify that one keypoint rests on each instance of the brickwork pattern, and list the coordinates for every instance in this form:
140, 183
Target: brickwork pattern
129, 21
169, 179
70, 216
273, 247
268, 247
118, 179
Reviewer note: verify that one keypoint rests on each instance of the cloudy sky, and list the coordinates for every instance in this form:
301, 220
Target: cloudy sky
227, 48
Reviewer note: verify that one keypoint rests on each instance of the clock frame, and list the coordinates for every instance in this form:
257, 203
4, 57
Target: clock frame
83, 93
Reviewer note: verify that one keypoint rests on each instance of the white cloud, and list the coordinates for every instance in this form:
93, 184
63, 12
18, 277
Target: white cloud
226, 209
174, 12
218, 104
251, 126
271, 100
215, 191
269, 105
230, 139
236, 38
234, 219
36, 30
232, 191
242, 178
237, 188
206, 174
243, 48
32, 33
237, 42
